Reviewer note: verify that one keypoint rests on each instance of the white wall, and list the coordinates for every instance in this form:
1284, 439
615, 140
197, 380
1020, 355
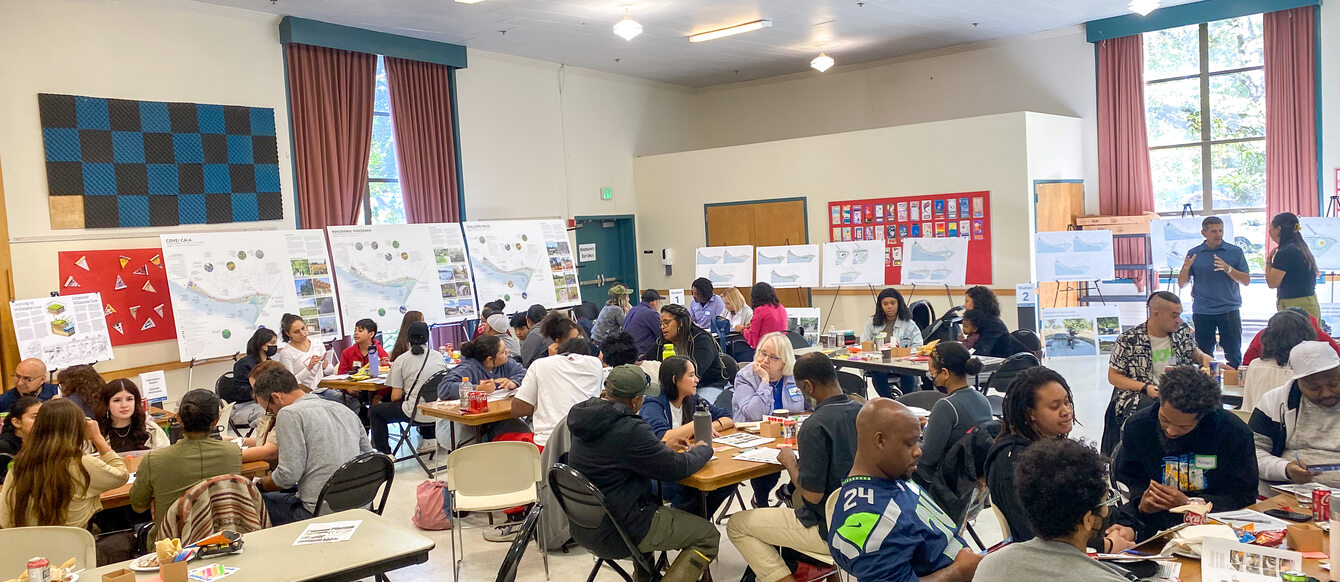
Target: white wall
982, 153
1050, 72
161, 52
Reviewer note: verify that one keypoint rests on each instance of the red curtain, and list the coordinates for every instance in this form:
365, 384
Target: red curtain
425, 144
1291, 112
1124, 184
330, 103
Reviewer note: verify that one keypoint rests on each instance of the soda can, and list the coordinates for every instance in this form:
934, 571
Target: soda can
1214, 368
789, 432
39, 570
1321, 504
479, 400
1192, 517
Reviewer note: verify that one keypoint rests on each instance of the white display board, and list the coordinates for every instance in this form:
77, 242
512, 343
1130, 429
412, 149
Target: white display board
318, 305
225, 285
807, 320
387, 270
731, 266
1171, 238
62, 331
1322, 235
788, 266
523, 262
857, 263
935, 261
1074, 255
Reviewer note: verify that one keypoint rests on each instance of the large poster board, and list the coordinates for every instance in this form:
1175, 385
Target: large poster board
133, 286
731, 266
1075, 255
935, 261
62, 331
890, 220
788, 266
853, 264
224, 285
523, 262
1322, 235
1171, 238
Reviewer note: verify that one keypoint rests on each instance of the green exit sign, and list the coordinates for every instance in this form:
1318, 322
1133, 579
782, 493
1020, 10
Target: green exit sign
607, 193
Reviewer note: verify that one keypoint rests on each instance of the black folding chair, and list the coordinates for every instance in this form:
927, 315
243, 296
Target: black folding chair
421, 426
797, 339
356, 483
1028, 340
922, 313
1001, 378
585, 507
852, 384
225, 379
529, 529
923, 399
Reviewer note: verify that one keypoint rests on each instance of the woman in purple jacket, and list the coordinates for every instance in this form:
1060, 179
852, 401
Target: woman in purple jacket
762, 387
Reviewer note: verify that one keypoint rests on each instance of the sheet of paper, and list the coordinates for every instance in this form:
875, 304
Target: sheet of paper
742, 440
1225, 560
759, 455
497, 395
335, 531
1244, 517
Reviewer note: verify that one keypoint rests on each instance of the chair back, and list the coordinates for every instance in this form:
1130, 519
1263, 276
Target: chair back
217, 503
922, 313
924, 399
726, 399
5, 460
585, 507
492, 468
223, 380
1028, 340
851, 383
507, 572
729, 368
59, 543
1001, 378
356, 483
798, 340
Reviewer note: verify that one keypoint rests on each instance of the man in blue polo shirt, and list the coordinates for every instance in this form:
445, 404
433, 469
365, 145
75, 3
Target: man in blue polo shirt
1218, 268
29, 380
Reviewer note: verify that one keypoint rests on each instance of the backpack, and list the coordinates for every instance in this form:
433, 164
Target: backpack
963, 471
432, 506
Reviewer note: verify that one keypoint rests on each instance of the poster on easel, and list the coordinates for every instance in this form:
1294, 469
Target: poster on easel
522, 262
1322, 235
891, 220
1074, 255
788, 266
1171, 238
806, 321
729, 266
62, 331
1079, 331
935, 261
853, 264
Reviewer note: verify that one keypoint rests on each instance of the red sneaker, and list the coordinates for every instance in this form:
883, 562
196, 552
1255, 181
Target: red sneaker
806, 572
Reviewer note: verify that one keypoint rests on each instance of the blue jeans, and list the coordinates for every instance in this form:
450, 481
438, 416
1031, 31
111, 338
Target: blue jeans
285, 507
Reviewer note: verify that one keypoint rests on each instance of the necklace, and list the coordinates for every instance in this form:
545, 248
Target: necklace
122, 434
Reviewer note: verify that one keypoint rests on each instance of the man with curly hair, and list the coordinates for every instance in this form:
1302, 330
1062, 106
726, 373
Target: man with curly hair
1185, 446
1067, 502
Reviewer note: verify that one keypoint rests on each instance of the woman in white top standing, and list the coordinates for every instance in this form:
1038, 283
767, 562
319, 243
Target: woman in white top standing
305, 358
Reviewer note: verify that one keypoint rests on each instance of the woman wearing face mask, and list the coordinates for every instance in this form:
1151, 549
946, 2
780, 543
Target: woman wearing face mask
1038, 406
951, 417
122, 420
262, 346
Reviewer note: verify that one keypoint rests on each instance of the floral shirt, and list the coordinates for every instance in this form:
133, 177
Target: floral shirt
1133, 357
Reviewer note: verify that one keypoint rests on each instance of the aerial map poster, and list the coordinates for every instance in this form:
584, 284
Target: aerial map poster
224, 285
62, 331
385, 270
523, 262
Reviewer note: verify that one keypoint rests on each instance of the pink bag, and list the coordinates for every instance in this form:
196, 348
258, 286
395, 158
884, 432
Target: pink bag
432, 506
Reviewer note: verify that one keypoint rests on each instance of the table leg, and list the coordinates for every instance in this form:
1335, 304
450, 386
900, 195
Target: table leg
707, 514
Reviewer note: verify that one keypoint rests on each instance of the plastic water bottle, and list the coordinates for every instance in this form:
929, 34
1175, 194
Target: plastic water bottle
667, 351
466, 387
374, 362
702, 423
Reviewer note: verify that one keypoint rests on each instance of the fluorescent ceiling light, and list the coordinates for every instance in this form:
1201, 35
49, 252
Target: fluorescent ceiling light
729, 31
1143, 7
468, 1
822, 62
627, 28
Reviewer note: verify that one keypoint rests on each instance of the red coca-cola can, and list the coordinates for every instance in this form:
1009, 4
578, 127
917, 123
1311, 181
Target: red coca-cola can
479, 401
1192, 517
39, 570
1321, 504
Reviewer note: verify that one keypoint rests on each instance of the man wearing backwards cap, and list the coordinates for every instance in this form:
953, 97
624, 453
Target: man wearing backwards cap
500, 325
614, 448
1297, 426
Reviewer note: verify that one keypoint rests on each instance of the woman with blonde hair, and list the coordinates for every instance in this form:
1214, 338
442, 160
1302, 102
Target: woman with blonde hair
762, 387
52, 481
737, 309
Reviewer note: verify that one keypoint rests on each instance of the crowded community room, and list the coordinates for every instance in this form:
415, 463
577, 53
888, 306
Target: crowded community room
669, 290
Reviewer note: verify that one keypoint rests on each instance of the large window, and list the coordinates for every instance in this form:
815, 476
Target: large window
1205, 111
382, 203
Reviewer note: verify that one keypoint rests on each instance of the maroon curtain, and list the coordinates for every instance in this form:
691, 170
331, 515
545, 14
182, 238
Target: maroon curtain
424, 140
330, 103
1291, 112
1124, 184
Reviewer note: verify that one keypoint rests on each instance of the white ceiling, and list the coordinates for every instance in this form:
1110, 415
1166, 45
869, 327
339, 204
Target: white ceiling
578, 32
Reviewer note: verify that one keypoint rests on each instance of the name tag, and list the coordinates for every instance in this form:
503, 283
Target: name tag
793, 391
1207, 462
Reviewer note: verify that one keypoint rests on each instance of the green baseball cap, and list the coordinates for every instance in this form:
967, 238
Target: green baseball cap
629, 381
619, 291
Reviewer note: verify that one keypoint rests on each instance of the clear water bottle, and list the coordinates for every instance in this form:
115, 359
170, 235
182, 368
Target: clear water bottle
702, 423
466, 387
374, 362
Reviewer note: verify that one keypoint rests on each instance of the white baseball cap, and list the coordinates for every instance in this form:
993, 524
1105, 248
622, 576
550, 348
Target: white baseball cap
498, 322
1310, 358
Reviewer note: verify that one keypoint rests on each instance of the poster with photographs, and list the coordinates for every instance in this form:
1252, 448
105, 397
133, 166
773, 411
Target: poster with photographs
1079, 331
1222, 559
806, 321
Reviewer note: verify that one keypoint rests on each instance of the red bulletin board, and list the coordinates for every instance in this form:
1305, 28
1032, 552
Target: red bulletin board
939, 215
134, 291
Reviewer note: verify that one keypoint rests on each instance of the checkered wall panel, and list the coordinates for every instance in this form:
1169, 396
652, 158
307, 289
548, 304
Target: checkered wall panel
118, 163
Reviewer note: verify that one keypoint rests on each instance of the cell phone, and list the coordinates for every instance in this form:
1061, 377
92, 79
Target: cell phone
1289, 515
1001, 544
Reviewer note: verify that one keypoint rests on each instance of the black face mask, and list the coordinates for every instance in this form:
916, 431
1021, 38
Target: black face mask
270, 351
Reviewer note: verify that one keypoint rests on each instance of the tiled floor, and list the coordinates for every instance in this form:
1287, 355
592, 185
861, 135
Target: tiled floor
1086, 375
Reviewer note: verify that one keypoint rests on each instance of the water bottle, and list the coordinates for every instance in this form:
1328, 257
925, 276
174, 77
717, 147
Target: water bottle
667, 351
374, 362
702, 423
466, 387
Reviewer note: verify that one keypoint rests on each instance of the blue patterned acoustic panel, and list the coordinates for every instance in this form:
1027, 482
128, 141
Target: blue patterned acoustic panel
118, 163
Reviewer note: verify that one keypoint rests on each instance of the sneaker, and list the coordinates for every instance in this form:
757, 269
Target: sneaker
806, 572
504, 533
427, 446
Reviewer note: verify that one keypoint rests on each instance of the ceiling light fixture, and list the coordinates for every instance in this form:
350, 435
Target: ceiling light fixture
627, 28
822, 62
730, 31
1143, 7
468, 1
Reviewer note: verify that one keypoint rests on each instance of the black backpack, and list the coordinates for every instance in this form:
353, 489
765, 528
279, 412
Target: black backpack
962, 470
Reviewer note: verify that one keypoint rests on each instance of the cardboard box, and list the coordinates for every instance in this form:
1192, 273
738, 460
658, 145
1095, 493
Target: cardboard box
867, 346
122, 575
1232, 377
1117, 224
1305, 537
900, 352
173, 572
771, 430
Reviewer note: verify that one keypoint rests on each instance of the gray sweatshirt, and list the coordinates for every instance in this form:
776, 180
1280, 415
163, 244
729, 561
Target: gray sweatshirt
1039, 559
316, 436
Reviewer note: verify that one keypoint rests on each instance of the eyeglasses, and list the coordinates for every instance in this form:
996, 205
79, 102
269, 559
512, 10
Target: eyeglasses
26, 378
666, 322
1112, 499
766, 357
